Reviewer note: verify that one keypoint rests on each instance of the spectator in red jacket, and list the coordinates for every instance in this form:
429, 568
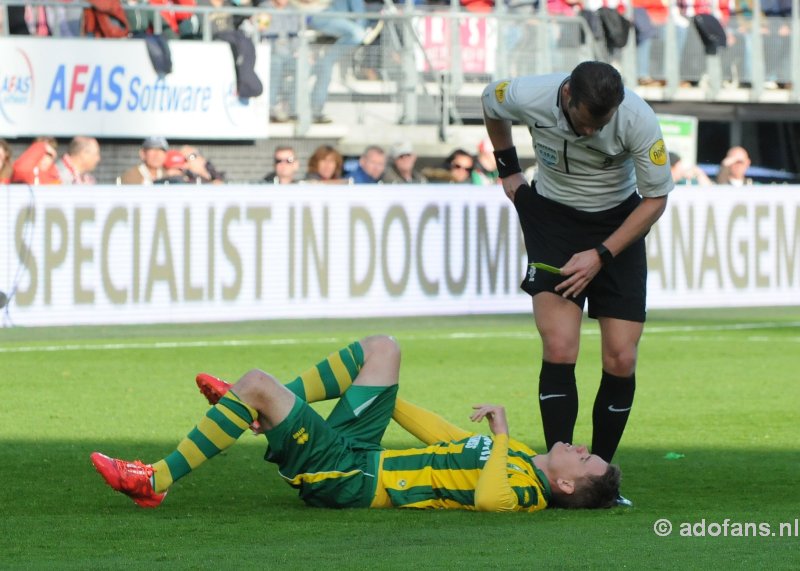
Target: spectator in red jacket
37, 164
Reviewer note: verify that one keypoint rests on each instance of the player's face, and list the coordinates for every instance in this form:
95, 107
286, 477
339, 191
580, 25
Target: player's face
584, 123
574, 462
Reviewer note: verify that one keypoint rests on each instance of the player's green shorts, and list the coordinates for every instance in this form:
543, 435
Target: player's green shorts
334, 462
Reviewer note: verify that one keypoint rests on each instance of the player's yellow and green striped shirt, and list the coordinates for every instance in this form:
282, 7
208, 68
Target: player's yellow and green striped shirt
460, 475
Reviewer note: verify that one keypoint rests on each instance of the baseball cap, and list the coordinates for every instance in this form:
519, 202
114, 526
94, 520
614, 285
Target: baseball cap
401, 148
155, 143
174, 160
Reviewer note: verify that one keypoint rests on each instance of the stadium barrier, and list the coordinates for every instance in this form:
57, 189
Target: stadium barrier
145, 255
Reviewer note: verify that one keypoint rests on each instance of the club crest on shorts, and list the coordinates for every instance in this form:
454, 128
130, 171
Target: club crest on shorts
531, 273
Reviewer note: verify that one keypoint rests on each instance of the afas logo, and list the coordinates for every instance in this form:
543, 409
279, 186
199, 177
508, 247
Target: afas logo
16, 83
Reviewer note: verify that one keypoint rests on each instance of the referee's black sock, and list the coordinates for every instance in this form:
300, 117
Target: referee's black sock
558, 401
610, 414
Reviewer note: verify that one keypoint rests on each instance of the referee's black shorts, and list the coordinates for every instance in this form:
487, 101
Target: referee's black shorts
554, 232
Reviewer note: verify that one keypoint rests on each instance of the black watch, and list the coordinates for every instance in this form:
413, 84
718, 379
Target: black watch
606, 257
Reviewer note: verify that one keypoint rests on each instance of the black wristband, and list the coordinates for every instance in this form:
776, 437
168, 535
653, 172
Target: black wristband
507, 162
606, 257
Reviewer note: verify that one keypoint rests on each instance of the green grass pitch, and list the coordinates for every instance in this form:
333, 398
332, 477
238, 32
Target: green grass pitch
721, 388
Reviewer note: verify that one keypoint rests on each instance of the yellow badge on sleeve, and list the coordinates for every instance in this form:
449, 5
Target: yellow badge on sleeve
658, 153
500, 91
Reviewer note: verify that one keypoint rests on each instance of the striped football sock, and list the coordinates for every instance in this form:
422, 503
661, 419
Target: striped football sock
219, 428
330, 378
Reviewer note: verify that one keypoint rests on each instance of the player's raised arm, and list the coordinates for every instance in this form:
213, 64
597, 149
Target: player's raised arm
493, 492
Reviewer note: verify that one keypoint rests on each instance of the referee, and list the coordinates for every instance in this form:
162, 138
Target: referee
602, 182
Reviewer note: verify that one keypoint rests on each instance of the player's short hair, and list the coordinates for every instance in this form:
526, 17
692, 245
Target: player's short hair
598, 86
592, 492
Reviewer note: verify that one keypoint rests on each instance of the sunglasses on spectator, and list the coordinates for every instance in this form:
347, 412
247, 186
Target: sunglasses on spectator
460, 167
289, 160
191, 156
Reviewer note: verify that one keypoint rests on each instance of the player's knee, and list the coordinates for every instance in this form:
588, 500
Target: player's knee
255, 386
381, 346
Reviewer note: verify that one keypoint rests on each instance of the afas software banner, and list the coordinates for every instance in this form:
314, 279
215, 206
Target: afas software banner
109, 88
143, 255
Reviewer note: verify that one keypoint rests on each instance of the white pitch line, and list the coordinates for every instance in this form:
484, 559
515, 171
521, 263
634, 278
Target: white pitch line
454, 336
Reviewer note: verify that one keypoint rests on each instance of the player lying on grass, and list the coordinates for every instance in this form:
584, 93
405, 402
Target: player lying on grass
339, 462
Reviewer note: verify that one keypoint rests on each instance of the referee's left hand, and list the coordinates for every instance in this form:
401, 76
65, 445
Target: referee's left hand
580, 269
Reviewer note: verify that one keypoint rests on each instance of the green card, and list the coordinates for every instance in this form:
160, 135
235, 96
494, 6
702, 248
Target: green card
546, 267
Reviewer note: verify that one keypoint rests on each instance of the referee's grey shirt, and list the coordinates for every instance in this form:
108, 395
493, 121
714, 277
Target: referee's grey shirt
591, 173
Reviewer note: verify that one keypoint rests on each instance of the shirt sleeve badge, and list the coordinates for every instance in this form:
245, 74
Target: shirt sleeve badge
500, 91
658, 153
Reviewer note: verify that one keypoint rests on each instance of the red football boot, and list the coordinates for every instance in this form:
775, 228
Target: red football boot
212, 387
130, 478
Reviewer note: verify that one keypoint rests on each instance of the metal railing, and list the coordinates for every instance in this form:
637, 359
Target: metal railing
430, 62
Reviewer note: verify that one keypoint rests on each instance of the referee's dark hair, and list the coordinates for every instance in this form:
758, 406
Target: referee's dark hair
598, 86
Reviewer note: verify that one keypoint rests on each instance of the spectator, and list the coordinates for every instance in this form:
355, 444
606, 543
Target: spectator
649, 19
285, 166
281, 31
174, 169
485, 171
734, 167
152, 155
460, 164
371, 165
687, 175
80, 160
6, 167
402, 168
349, 34
325, 165
37, 164
199, 169
177, 24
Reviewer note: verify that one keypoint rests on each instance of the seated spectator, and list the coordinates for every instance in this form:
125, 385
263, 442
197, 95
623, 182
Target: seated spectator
325, 165
460, 165
349, 35
199, 168
80, 160
6, 167
687, 175
174, 169
734, 167
177, 24
281, 32
285, 166
402, 168
37, 164
485, 171
371, 165
151, 167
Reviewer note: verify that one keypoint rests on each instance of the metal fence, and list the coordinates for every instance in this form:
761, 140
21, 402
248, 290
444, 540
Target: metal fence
429, 63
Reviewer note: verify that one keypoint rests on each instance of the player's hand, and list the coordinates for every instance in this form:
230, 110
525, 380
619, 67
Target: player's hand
495, 414
512, 183
581, 269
